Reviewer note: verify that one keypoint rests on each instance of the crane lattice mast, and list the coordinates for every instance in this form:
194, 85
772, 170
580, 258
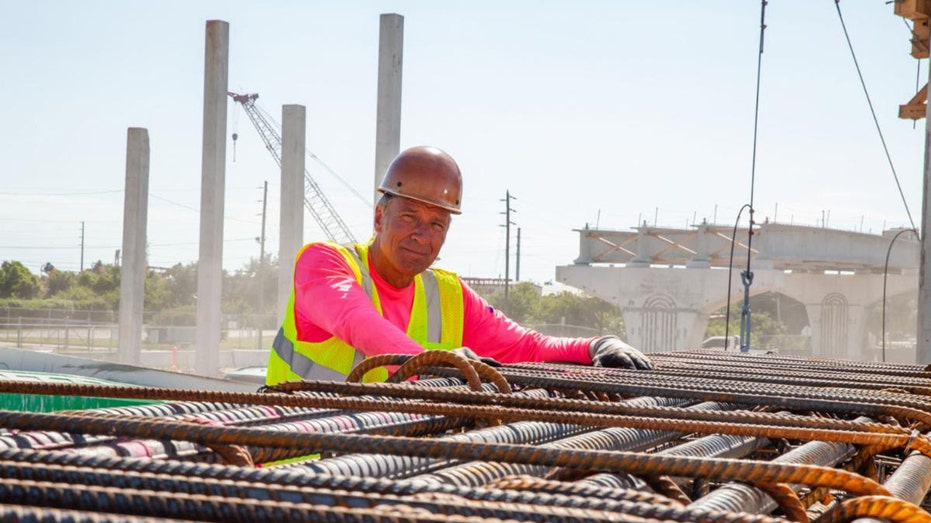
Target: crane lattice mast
320, 208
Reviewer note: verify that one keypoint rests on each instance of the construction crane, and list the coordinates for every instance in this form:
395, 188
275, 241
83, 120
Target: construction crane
320, 208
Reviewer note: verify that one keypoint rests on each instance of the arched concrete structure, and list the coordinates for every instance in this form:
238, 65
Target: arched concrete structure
667, 282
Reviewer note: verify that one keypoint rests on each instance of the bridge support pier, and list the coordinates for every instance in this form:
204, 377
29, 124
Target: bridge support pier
668, 309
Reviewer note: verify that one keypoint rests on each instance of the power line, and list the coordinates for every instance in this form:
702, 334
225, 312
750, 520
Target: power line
869, 102
507, 242
76, 193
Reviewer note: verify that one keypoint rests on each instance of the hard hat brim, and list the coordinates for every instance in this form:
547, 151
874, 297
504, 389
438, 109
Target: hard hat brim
441, 205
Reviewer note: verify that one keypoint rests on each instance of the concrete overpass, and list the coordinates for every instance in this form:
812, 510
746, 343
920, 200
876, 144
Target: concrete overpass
667, 282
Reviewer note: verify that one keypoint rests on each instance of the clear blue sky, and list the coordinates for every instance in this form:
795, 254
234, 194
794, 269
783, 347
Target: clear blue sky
598, 112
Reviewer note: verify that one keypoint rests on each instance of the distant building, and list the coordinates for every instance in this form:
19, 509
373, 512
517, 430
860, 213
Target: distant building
550, 288
484, 286
487, 286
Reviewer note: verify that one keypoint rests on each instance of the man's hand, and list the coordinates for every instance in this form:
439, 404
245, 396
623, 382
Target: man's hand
469, 354
610, 351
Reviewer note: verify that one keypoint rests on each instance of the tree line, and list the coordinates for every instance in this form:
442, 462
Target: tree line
251, 294
170, 293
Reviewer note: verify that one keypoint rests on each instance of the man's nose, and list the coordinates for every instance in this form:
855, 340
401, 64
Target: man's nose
421, 232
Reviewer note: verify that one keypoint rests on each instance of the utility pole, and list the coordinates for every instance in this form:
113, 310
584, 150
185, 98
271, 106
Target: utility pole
507, 241
517, 268
82, 246
261, 270
915, 109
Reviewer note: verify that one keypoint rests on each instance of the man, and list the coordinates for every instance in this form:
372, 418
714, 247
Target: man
382, 297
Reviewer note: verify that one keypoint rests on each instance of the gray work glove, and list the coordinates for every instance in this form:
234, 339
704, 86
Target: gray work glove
610, 351
470, 354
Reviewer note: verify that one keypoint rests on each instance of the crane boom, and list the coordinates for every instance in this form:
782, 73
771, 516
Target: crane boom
315, 201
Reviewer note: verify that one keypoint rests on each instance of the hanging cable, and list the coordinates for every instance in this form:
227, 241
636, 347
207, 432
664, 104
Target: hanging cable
756, 115
885, 275
235, 135
746, 276
730, 271
866, 92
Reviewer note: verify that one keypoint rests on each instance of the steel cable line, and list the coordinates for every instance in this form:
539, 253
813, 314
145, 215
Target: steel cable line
898, 184
869, 102
885, 278
730, 271
747, 275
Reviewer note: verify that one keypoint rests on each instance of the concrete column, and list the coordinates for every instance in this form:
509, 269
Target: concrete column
132, 272
701, 260
293, 144
643, 258
390, 61
212, 190
923, 350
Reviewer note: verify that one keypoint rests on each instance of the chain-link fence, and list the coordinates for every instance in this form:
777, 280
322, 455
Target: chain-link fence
95, 335
99, 330
167, 339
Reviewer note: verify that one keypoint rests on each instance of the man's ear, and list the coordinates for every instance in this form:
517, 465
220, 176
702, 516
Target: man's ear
379, 217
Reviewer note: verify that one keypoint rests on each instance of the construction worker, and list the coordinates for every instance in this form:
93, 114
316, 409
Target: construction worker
382, 297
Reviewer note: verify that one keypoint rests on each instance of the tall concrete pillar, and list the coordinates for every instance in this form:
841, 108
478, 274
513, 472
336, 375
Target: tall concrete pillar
293, 144
390, 62
923, 349
212, 190
132, 272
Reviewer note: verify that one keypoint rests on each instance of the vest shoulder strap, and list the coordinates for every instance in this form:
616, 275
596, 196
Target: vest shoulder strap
366, 282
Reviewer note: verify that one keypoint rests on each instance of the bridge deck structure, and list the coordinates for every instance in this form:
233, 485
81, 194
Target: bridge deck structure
668, 282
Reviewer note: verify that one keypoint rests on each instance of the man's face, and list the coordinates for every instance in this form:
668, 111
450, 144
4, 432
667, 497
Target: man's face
409, 236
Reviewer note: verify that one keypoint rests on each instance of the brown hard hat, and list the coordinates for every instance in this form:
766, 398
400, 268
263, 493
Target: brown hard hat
426, 174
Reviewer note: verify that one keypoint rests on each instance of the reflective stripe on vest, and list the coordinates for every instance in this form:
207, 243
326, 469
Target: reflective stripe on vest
431, 290
363, 269
304, 367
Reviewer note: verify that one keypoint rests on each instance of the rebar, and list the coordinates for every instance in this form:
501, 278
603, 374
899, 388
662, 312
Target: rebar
706, 437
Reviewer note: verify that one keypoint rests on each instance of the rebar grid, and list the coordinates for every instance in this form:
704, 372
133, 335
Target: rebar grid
707, 437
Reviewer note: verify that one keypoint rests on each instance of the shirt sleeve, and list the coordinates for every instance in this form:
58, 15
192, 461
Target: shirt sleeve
328, 301
491, 334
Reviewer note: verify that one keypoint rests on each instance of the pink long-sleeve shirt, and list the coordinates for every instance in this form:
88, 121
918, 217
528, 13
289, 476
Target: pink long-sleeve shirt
329, 302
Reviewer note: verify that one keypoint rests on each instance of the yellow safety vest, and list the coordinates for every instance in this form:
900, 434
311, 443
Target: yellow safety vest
435, 323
